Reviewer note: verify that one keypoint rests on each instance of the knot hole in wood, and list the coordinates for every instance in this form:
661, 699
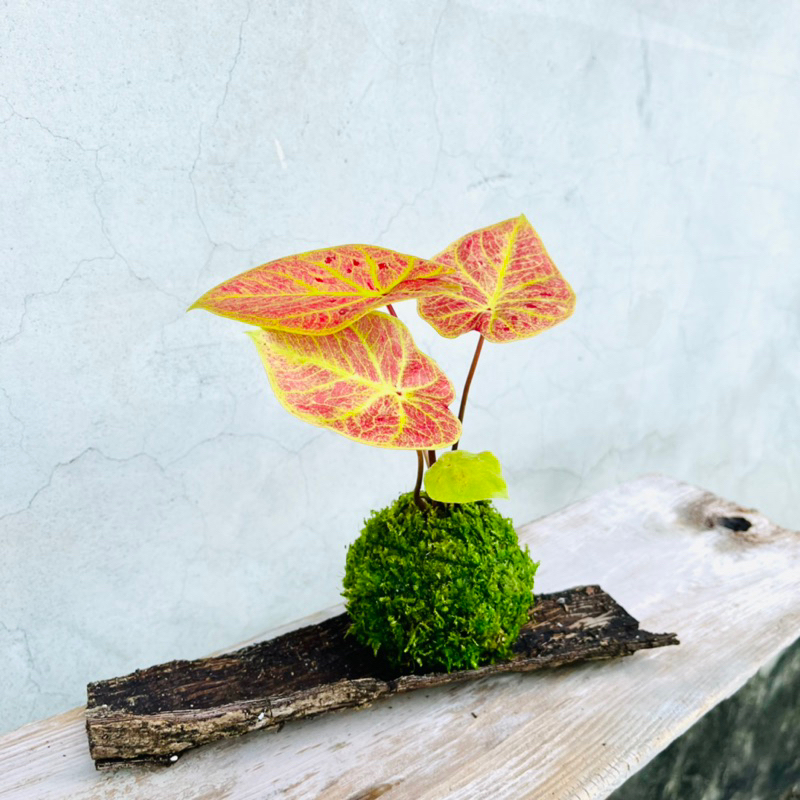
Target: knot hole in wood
735, 523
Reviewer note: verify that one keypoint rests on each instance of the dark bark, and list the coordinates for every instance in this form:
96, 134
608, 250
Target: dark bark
152, 715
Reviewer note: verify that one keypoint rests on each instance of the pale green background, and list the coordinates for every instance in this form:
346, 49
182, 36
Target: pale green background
155, 501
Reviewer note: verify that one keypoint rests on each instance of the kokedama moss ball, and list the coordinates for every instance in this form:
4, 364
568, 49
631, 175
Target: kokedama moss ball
446, 589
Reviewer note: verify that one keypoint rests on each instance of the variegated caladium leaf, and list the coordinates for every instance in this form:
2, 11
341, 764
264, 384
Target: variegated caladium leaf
323, 291
462, 477
511, 289
368, 382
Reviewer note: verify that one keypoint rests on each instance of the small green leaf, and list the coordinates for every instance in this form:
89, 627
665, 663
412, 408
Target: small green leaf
461, 477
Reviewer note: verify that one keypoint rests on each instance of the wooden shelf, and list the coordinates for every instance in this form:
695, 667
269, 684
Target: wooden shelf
676, 557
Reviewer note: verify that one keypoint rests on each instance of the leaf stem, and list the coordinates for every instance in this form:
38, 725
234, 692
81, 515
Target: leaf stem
391, 310
431, 457
417, 499
465, 393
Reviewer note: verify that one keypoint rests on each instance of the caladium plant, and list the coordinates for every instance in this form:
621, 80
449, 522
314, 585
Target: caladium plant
335, 361
437, 580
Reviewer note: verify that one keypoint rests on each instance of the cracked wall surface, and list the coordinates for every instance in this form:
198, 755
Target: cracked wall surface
155, 500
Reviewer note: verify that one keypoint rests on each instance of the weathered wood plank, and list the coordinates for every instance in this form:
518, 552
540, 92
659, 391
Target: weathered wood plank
660, 547
153, 715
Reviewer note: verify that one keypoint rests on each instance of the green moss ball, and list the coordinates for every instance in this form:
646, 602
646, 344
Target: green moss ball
446, 589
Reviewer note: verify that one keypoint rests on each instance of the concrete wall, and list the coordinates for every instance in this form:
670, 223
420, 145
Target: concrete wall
155, 500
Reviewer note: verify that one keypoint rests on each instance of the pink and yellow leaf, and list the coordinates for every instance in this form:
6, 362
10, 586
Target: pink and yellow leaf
510, 287
368, 382
323, 291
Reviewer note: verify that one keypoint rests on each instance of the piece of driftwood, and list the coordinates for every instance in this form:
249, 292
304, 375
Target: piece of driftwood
153, 715
683, 558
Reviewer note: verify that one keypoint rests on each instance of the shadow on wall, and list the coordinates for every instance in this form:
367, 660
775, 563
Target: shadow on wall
747, 748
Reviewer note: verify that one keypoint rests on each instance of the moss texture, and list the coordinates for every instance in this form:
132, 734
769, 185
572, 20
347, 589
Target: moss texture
442, 590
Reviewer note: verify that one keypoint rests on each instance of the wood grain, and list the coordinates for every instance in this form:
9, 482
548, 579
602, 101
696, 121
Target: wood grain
663, 549
152, 715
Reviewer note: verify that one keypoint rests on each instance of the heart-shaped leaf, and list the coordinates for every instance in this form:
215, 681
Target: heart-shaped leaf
511, 289
368, 382
462, 477
323, 291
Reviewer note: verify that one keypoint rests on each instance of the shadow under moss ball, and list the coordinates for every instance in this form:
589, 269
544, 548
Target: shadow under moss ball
442, 590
